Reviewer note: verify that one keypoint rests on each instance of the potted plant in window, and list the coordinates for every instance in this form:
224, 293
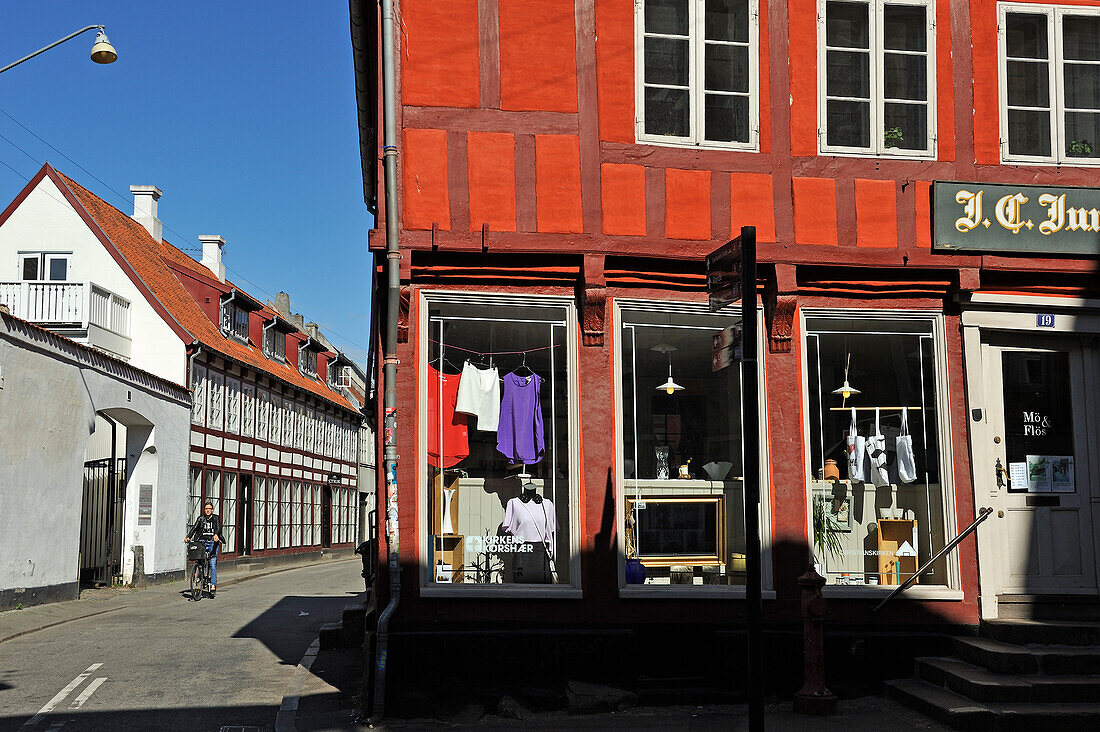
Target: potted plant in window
1079, 148
826, 528
892, 137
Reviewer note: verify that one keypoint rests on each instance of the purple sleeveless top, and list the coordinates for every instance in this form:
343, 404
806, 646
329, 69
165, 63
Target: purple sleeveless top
520, 432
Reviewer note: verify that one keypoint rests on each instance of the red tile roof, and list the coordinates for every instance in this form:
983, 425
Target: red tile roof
154, 263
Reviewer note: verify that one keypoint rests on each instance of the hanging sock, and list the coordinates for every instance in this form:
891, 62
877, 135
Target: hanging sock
876, 451
907, 462
856, 448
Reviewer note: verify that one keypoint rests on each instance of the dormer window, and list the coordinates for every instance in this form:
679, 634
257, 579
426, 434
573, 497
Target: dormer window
274, 342
338, 376
307, 358
235, 308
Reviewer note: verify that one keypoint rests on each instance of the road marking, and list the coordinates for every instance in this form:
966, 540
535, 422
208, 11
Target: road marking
88, 691
61, 696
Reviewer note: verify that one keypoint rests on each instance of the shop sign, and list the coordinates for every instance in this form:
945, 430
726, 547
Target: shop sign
726, 348
724, 275
993, 217
334, 479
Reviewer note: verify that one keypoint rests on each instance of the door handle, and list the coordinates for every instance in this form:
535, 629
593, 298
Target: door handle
1000, 473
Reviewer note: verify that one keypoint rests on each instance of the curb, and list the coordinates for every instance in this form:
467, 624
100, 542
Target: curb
287, 718
228, 581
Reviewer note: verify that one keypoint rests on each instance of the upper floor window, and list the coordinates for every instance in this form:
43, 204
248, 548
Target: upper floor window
307, 360
697, 73
41, 266
274, 342
1050, 83
877, 73
234, 320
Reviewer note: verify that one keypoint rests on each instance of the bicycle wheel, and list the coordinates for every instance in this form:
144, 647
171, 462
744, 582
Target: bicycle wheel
196, 582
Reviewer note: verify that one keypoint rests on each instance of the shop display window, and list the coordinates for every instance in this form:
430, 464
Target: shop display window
682, 475
878, 492
499, 442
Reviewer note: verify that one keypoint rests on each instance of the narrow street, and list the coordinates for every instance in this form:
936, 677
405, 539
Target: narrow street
167, 663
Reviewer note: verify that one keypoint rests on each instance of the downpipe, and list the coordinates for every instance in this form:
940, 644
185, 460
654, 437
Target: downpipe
389, 364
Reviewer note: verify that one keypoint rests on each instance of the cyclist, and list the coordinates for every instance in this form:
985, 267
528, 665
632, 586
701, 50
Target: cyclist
208, 529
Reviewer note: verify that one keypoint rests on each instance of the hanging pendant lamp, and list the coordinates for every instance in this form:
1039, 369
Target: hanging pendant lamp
670, 387
846, 390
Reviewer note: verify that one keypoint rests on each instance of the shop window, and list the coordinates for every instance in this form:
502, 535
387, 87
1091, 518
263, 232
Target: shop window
284, 515
1050, 82
682, 485
194, 498
879, 493
877, 68
698, 73
273, 513
259, 513
228, 512
499, 444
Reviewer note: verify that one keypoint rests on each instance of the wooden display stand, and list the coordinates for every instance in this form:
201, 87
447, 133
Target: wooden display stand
449, 549
892, 534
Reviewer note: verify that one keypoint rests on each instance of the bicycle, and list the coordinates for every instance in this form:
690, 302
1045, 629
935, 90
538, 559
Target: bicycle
200, 570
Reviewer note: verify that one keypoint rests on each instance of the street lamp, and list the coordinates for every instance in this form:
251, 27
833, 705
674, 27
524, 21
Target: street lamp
102, 50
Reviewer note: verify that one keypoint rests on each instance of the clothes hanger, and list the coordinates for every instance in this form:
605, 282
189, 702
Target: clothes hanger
523, 367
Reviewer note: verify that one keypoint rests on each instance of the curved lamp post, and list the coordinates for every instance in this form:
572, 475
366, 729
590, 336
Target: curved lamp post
102, 50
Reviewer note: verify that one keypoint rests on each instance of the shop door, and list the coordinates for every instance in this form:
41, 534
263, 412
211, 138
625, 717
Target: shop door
326, 517
1041, 395
244, 515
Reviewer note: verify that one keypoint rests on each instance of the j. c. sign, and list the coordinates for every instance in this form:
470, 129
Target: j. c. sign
1008, 218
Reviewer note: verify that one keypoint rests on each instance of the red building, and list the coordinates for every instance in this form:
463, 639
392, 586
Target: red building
564, 167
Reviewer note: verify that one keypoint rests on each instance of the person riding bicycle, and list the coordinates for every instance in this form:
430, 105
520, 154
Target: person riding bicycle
208, 529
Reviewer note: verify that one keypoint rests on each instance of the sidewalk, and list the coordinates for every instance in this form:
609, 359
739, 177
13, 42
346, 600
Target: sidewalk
330, 700
16, 623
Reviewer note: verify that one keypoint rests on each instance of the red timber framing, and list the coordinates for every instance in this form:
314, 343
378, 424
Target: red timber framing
520, 174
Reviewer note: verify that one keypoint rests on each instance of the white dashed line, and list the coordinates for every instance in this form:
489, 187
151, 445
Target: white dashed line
88, 691
60, 697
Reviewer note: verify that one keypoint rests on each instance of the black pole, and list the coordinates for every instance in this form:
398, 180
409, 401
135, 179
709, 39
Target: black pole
750, 421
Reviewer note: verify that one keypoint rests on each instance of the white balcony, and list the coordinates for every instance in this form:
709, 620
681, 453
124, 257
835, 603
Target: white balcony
83, 311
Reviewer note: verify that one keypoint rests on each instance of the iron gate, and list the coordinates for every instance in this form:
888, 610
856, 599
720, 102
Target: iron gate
101, 520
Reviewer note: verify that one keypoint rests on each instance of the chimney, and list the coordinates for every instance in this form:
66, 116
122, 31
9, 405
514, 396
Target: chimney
212, 254
145, 209
282, 304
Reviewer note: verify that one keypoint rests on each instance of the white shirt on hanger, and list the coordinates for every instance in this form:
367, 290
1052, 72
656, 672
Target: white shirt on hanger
479, 395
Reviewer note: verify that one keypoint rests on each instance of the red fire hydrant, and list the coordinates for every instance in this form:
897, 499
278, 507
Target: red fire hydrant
815, 697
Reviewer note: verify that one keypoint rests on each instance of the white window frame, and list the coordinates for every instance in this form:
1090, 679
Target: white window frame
1055, 80
198, 395
248, 409
878, 102
953, 589
216, 401
696, 115
621, 485
572, 338
233, 405
44, 258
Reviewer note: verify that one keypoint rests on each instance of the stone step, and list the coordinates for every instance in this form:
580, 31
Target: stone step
1009, 658
1048, 607
352, 625
330, 636
986, 686
1031, 717
940, 704
1060, 632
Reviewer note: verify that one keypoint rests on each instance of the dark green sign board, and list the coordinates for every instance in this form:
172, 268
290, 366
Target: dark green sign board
993, 217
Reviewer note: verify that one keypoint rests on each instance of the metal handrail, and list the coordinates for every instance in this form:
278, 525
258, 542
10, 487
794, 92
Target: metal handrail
983, 514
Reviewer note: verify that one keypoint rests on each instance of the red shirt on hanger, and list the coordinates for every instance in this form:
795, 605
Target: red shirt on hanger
451, 428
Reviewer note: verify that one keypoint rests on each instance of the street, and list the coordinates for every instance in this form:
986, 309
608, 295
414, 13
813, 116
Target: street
167, 663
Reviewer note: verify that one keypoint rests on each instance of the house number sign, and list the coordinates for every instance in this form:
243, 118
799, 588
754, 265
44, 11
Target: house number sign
1010, 218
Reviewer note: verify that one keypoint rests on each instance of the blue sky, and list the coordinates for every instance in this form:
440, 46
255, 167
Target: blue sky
242, 113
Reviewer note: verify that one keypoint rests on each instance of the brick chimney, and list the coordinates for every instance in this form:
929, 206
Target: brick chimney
145, 209
212, 254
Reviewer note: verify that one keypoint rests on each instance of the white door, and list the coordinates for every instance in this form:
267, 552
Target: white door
1041, 396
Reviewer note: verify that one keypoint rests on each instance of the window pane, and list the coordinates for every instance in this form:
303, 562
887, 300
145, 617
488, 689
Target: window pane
682, 468
1028, 84
849, 124
59, 269
30, 268
666, 16
1082, 134
1026, 35
849, 74
727, 68
666, 61
727, 118
727, 20
905, 76
485, 525
876, 511
666, 112
1082, 86
847, 25
904, 28
1081, 37
905, 126
1028, 132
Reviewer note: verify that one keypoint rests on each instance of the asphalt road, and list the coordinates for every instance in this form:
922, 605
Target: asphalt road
166, 663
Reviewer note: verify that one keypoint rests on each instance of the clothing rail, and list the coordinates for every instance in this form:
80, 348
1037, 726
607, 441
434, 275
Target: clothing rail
495, 353
871, 409
983, 514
